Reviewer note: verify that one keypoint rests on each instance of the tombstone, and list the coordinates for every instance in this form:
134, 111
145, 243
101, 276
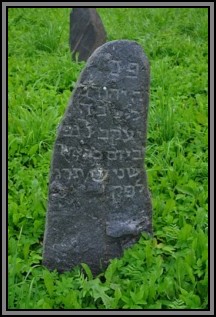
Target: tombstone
86, 32
99, 202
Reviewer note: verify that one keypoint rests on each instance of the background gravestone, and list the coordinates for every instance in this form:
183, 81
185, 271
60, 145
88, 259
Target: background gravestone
98, 197
86, 32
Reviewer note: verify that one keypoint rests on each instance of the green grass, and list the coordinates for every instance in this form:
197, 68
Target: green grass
167, 271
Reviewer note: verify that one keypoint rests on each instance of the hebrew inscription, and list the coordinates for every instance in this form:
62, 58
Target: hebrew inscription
99, 201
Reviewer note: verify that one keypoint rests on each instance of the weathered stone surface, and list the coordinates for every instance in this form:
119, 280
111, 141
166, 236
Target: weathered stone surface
86, 32
99, 202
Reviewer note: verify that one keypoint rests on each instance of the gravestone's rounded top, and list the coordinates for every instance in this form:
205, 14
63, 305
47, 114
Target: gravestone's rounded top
86, 32
121, 48
119, 62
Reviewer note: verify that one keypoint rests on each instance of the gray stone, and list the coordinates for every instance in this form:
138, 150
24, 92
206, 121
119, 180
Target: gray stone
99, 202
86, 32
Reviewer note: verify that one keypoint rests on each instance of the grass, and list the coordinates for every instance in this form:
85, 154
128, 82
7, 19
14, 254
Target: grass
167, 271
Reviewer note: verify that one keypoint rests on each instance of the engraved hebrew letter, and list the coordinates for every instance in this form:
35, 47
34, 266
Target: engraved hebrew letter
129, 191
119, 172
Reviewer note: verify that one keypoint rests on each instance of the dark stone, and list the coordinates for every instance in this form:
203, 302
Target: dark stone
99, 202
86, 32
